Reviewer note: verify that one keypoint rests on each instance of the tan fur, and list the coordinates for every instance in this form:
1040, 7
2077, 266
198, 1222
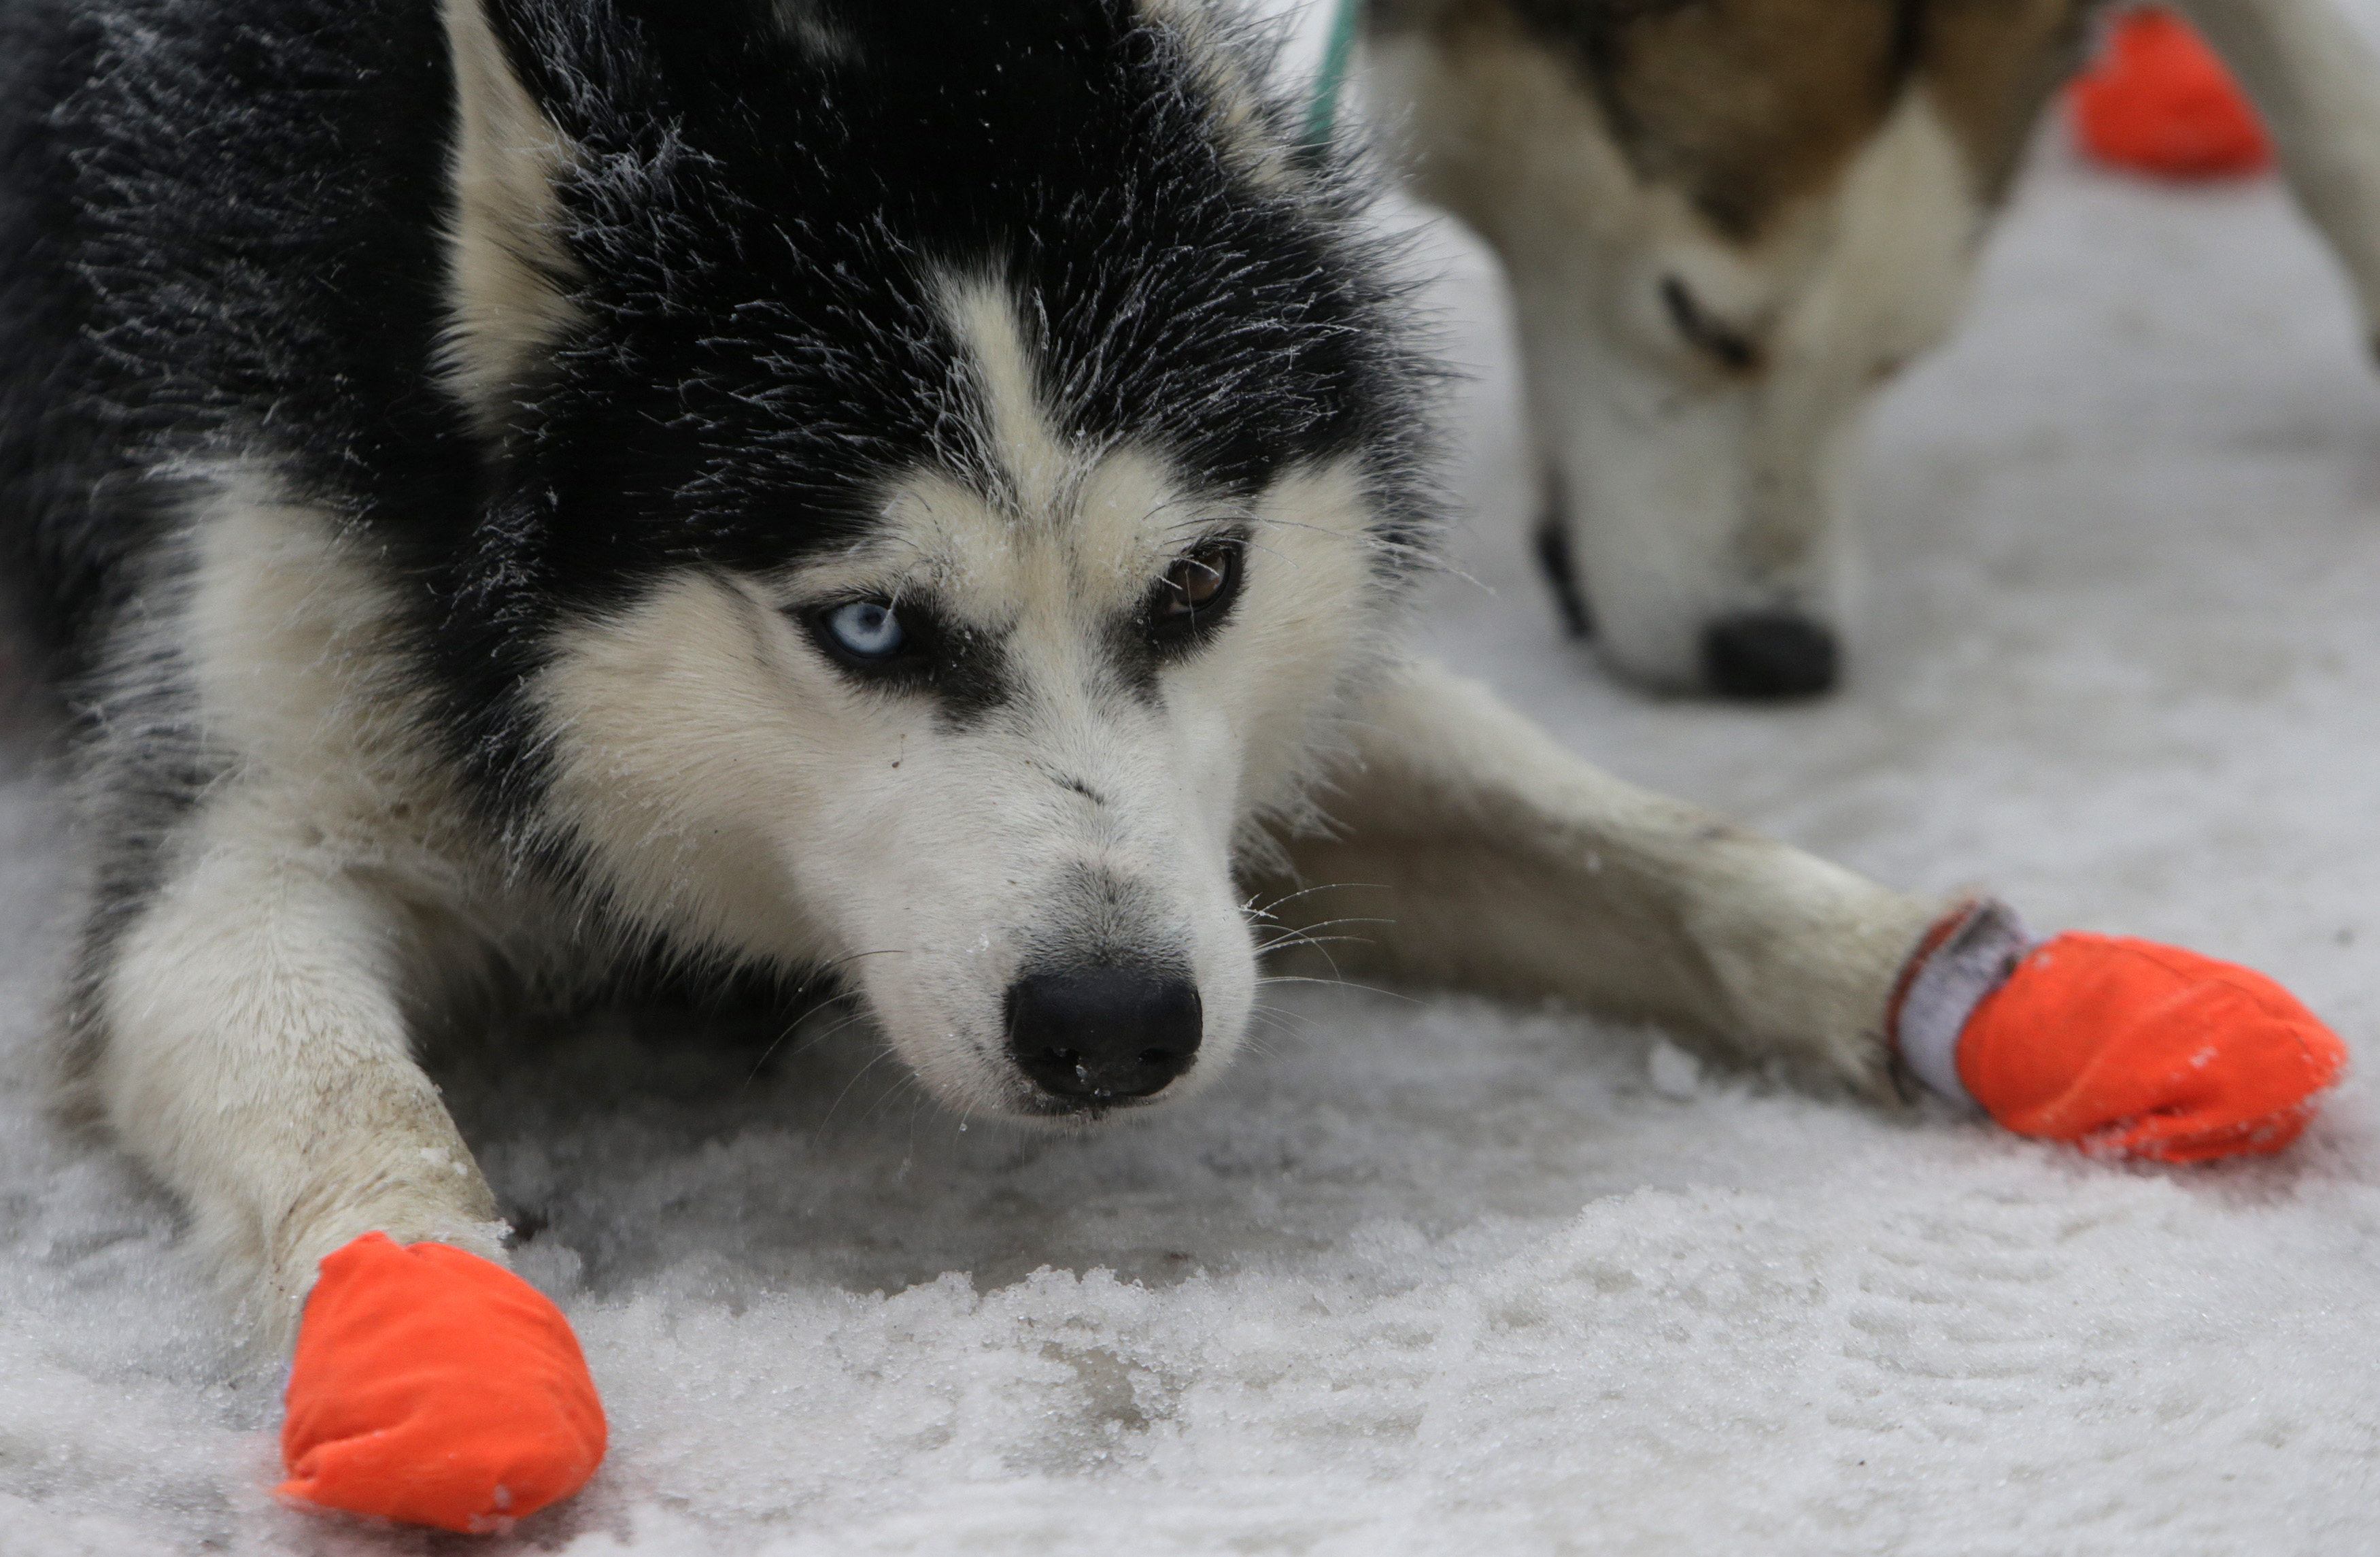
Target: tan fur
1751, 108
1990, 66
1748, 105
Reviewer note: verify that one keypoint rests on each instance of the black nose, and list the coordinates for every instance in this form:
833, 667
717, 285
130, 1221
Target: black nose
1103, 1032
1769, 654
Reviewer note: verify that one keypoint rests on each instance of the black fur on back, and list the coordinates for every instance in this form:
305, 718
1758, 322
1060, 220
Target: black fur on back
220, 236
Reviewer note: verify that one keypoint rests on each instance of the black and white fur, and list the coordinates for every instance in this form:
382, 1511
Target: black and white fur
439, 440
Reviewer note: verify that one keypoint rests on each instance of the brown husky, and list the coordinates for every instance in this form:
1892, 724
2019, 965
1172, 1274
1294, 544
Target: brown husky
1728, 224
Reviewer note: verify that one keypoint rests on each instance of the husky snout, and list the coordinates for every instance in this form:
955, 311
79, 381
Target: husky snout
1094, 1035
1705, 332
1111, 1003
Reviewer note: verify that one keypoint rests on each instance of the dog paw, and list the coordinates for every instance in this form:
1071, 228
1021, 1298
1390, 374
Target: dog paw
2132, 1048
2159, 101
433, 1387
2121, 1047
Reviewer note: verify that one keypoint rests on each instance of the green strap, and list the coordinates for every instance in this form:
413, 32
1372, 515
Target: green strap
1324, 111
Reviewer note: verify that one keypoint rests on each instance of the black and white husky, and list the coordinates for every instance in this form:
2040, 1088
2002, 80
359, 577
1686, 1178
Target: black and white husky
1728, 224
921, 489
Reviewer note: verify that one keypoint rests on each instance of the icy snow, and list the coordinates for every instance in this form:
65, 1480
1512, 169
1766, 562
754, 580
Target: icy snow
1437, 1276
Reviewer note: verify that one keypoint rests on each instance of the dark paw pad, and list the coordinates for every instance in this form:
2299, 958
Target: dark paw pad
1769, 654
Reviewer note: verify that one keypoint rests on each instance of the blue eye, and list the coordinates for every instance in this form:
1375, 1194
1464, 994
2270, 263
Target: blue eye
866, 629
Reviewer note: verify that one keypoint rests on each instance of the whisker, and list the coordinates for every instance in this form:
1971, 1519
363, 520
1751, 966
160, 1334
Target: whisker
794, 1023
1317, 941
1305, 938
845, 1026
880, 1057
908, 1082
793, 1027
1327, 924
1341, 984
1267, 911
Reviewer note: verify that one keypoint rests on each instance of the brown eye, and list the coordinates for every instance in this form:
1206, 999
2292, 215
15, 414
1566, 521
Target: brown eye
1197, 589
1196, 581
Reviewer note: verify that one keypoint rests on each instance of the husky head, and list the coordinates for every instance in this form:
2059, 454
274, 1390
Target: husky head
946, 460
1727, 224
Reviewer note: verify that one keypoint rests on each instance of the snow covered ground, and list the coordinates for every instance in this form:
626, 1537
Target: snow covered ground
1440, 1277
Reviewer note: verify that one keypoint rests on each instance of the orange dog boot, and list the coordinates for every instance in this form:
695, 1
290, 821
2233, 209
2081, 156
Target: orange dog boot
433, 1387
2159, 102
2121, 1047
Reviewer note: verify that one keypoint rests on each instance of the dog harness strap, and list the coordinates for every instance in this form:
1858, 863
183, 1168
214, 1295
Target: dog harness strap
1330, 83
1965, 956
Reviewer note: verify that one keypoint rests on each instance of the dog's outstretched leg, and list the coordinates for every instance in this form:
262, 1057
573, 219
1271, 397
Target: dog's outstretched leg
243, 1022
1501, 863
2318, 83
255, 1056
1492, 859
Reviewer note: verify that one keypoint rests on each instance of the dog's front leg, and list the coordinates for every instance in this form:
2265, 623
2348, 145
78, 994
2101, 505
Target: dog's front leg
2318, 83
253, 1052
252, 1049
1486, 857
1483, 856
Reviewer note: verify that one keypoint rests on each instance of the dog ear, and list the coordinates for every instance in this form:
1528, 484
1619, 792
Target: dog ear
509, 266
1230, 59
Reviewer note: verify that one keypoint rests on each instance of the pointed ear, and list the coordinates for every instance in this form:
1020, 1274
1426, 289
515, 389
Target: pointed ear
509, 268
